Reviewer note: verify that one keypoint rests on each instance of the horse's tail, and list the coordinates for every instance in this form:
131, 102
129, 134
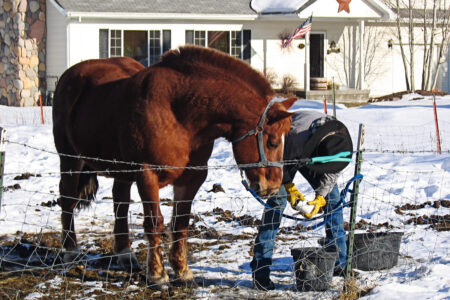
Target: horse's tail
67, 94
87, 187
87, 182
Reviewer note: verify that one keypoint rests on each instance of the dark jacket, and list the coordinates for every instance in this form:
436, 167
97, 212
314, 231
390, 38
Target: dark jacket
293, 147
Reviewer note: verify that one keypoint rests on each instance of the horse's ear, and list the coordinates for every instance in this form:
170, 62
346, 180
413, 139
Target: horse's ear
277, 113
289, 102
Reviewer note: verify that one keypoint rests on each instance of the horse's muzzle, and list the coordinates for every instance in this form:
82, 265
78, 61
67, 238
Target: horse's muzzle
263, 191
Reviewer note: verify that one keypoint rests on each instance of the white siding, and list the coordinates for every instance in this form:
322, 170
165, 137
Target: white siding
268, 54
386, 75
84, 36
56, 45
84, 42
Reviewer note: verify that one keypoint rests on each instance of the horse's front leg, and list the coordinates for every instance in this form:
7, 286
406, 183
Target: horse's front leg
148, 189
121, 196
183, 195
184, 191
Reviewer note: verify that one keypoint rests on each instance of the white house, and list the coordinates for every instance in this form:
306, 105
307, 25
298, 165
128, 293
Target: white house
352, 48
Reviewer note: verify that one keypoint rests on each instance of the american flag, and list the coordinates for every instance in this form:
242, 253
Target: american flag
300, 31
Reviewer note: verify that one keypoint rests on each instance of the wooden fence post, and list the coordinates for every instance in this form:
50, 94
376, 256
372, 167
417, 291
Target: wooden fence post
438, 137
2, 161
42, 109
354, 200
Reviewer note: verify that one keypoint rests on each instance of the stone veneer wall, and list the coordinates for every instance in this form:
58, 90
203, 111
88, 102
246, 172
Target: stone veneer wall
22, 51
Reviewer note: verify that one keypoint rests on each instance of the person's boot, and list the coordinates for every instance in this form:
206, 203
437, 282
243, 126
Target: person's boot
339, 271
263, 283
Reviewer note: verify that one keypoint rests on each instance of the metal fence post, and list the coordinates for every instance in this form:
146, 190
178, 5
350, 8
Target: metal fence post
2, 161
354, 200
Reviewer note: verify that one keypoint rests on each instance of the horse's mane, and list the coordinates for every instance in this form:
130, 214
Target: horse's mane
186, 55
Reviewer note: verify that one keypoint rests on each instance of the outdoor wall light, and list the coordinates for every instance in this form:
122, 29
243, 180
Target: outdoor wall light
390, 43
333, 48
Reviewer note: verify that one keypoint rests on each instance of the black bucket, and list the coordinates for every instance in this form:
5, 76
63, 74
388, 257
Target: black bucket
313, 268
376, 250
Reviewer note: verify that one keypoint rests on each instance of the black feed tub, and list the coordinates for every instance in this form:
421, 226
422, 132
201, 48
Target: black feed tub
313, 268
376, 250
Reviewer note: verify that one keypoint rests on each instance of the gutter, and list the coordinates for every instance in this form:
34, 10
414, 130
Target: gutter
161, 16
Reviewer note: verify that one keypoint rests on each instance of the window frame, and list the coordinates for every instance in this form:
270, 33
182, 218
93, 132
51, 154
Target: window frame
110, 48
230, 42
162, 47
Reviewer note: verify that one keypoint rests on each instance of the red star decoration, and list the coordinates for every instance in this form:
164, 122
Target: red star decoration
344, 5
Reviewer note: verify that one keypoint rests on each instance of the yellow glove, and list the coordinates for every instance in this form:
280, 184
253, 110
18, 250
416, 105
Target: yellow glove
293, 194
318, 203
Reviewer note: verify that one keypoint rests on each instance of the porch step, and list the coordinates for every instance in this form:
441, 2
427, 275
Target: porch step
342, 96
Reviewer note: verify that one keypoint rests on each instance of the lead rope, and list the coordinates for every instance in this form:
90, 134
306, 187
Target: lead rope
340, 204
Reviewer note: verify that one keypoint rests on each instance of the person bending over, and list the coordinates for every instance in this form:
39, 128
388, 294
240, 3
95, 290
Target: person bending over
312, 134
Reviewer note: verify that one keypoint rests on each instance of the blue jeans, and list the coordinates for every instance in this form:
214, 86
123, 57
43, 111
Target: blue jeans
335, 239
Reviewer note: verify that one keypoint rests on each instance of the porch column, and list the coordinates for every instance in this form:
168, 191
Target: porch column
306, 77
361, 55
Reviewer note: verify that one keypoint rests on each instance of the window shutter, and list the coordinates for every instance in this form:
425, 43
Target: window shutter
167, 40
103, 43
247, 35
189, 37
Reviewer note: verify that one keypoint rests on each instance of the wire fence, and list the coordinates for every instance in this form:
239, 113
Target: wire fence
403, 206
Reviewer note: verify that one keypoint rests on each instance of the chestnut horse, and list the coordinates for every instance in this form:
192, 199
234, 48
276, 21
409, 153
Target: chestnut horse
134, 128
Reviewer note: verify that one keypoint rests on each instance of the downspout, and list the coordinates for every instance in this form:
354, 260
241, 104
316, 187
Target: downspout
361, 56
307, 66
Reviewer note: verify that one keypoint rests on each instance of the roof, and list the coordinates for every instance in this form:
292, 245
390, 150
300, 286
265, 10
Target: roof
230, 7
213, 9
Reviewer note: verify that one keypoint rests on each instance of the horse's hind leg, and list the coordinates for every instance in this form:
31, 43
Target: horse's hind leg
121, 196
148, 187
68, 189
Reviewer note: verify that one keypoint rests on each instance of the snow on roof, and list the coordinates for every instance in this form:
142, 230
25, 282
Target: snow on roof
276, 6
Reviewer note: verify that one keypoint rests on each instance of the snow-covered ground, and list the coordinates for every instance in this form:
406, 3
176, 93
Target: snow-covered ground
400, 167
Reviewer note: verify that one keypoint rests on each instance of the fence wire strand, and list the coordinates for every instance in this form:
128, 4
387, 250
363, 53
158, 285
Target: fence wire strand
392, 198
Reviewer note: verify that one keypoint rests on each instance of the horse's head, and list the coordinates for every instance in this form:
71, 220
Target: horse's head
258, 148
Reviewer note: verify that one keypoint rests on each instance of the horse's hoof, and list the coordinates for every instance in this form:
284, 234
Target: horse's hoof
128, 261
189, 283
160, 283
185, 276
186, 279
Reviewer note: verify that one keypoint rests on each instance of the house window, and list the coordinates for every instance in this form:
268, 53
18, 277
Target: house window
155, 46
135, 45
200, 38
219, 40
235, 43
145, 46
115, 48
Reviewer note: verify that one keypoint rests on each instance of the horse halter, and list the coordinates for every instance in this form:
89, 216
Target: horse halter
258, 132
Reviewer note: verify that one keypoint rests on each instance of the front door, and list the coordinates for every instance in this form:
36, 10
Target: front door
316, 50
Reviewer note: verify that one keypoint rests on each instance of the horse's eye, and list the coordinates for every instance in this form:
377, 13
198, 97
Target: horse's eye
271, 144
